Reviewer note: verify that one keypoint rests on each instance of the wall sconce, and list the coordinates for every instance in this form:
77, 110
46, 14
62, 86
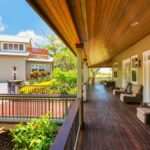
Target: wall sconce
137, 62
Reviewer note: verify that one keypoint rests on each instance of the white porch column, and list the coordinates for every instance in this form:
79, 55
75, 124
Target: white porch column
79, 80
79, 73
85, 78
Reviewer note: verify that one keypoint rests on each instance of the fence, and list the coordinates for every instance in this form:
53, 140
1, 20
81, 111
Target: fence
24, 107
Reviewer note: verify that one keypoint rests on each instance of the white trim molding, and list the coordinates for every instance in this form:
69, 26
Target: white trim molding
144, 77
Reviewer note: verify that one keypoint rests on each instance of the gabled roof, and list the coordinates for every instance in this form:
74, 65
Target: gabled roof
13, 38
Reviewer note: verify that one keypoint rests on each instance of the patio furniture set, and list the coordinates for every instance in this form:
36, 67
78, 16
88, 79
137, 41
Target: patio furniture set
133, 93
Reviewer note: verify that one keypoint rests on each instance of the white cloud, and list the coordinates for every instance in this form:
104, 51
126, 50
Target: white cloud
2, 26
37, 40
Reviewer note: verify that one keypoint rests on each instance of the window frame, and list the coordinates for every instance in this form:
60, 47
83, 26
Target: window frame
134, 69
39, 66
13, 46
115, 70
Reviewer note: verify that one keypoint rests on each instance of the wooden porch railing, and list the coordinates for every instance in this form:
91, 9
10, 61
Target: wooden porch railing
16, 108
67, 136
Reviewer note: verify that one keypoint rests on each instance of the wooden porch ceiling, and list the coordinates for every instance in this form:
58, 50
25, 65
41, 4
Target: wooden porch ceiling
106, 27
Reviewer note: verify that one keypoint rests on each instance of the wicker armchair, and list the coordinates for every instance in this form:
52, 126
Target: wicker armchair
135, 96
143, 113
118, 91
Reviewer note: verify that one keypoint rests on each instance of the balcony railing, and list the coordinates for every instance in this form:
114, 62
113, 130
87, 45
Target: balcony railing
38, 56
13, 51
67, 136
16, 108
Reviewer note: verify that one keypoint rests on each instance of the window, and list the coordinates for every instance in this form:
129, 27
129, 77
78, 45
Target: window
38, 67
21, 47
41, 68
5, 46
10, 46
134, 68
127, 70
115, 70
34, 67
13, 46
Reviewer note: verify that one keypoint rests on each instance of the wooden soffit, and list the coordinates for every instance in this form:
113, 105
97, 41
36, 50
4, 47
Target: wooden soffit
106, 27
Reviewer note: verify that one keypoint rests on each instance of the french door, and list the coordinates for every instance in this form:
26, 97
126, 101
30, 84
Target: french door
126, 72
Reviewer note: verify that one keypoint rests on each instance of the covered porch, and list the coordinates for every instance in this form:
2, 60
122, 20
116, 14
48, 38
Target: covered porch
111, 124
97, 32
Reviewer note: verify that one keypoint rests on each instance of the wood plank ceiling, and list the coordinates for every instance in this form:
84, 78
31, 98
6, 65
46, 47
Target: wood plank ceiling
106, 27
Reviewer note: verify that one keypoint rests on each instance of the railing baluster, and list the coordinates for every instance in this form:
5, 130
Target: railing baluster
2, 108
13, 108
25, 107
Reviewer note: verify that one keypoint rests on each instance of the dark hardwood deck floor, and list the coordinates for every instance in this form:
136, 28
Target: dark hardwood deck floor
111, 124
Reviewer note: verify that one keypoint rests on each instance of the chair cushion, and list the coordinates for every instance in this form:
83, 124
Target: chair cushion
136, 88
117, 91
141, 117
143, 111
122, 96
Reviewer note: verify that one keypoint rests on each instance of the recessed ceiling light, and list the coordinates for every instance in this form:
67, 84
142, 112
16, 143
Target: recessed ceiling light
134, 24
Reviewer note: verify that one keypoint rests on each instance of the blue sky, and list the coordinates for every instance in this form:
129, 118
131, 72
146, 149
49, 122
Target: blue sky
16, 16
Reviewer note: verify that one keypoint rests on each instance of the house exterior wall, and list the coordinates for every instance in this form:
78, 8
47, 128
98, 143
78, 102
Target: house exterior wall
48, 67
136, 49
6, 67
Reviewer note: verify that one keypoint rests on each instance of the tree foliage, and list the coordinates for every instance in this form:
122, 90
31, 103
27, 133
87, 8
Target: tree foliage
65, 65
68, 78
54, 45
65, 60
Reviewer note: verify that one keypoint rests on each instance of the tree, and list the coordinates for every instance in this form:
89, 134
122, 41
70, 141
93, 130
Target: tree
54, 45
65, 60
94, 72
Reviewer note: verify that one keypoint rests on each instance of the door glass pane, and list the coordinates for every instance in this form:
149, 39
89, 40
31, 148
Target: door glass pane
134, 75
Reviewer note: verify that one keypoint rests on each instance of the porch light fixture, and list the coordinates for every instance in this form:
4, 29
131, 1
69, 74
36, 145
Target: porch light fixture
138, 62
134, 24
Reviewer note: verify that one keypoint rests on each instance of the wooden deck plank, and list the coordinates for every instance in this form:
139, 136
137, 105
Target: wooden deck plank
111, 124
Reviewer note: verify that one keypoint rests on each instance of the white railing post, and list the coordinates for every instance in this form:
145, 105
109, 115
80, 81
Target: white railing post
85, 78
79, 80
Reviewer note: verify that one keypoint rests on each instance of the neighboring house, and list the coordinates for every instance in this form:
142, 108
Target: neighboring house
17, 56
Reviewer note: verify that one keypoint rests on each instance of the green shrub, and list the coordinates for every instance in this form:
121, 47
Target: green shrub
68, 78
103, 81
38, 134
